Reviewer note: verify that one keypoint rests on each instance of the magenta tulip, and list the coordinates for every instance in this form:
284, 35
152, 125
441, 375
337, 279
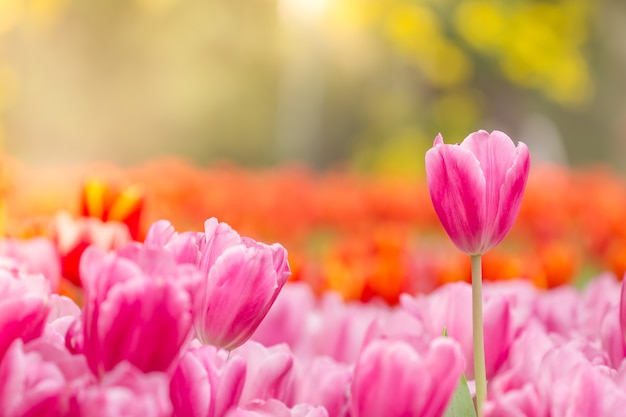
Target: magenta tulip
622, 309
23, 306
125, 391
139, 307
393, 379
446, 308
324, 382
205, 384
29, 385
269, 372
274, 408
477, 187
36, 256
242, 278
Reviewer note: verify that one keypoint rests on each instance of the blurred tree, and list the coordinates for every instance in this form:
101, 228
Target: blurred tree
364, 81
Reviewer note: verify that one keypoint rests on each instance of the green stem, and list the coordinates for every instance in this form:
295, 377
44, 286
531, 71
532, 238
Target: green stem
479, 339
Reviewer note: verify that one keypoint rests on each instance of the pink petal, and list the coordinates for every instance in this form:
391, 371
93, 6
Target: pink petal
510, 195
496, 153
457, 189
160, 233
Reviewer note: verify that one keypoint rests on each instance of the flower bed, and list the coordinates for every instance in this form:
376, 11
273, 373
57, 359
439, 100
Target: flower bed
167, 323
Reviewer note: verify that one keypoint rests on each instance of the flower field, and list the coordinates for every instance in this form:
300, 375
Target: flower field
167, 289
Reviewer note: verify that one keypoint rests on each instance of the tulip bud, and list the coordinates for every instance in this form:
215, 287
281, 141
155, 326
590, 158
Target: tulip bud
476, 187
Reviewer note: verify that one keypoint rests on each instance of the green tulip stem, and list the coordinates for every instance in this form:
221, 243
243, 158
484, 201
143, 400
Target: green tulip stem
479, 338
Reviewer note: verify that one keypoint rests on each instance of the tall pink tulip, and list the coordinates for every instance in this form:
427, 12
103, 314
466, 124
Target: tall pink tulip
477, 187
324, 382
393, 379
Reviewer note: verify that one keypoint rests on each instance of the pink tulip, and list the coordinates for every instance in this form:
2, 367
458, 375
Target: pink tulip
205, 384
286, 321
392, 379
612, 337
339, 329
574, 386
37, 256
23, 307
125, 391
477, 187
622, 310
274, 408
139, 307
324, 382
523, 402
599, 299
41, 379
269, 372
185, 246
561, 320
450, 307
243, 278
29, 385
63, 313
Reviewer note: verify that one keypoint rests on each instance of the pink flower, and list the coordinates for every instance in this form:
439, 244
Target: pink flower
450, 307
63, 313
29, 385
324, 382
23, 307
522, 402
36, 256
392, 379
269, 372
286, 320
622, 310
274, 408
185, 246
139, 307
125, 391
205, 384
243, 278
476, 187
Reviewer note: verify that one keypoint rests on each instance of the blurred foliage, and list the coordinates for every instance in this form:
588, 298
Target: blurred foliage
325, 81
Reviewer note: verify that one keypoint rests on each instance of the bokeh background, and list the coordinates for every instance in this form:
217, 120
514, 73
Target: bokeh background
362, 83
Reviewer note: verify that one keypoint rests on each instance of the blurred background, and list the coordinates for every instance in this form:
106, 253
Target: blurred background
362, 83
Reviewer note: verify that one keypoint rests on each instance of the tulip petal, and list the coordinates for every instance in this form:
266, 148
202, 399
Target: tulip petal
219, 237
457, 188
511, 193
496, 153
160, 233
242, 285
144, 322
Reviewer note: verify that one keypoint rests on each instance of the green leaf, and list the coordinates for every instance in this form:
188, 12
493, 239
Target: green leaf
461, 404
